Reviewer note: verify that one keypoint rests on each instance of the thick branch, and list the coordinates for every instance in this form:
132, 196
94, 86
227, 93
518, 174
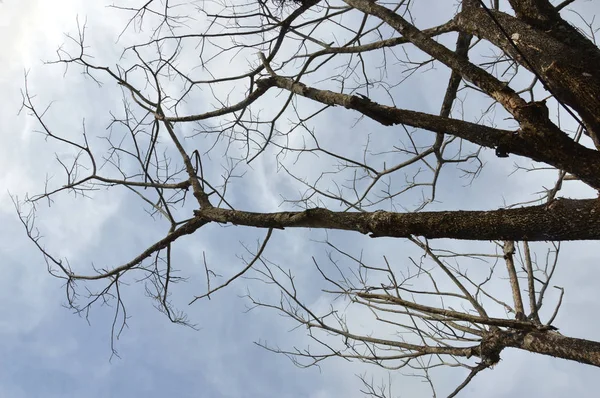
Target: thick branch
536, 12
564, 219
556, 345
557, 150
569, 69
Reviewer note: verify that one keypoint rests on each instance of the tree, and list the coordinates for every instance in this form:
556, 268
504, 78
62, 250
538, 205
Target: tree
304, 61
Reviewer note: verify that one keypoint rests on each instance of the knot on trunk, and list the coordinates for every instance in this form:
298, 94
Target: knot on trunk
492, 344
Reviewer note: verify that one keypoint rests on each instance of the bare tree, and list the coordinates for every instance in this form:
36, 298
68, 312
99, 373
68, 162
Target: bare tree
228, 84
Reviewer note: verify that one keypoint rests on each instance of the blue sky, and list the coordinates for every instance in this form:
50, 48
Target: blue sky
47, 351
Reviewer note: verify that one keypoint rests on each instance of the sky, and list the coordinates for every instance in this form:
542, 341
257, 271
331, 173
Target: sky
47, 351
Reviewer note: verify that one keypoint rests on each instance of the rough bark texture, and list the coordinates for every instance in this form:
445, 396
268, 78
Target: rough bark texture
570, 71
563, 219
559, 346
547, 342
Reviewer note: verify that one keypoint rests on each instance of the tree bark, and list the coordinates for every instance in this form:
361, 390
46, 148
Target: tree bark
563, 219
569, 67
556, 345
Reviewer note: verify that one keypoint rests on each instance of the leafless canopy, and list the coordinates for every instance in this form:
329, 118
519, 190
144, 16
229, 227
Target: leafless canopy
324, 96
